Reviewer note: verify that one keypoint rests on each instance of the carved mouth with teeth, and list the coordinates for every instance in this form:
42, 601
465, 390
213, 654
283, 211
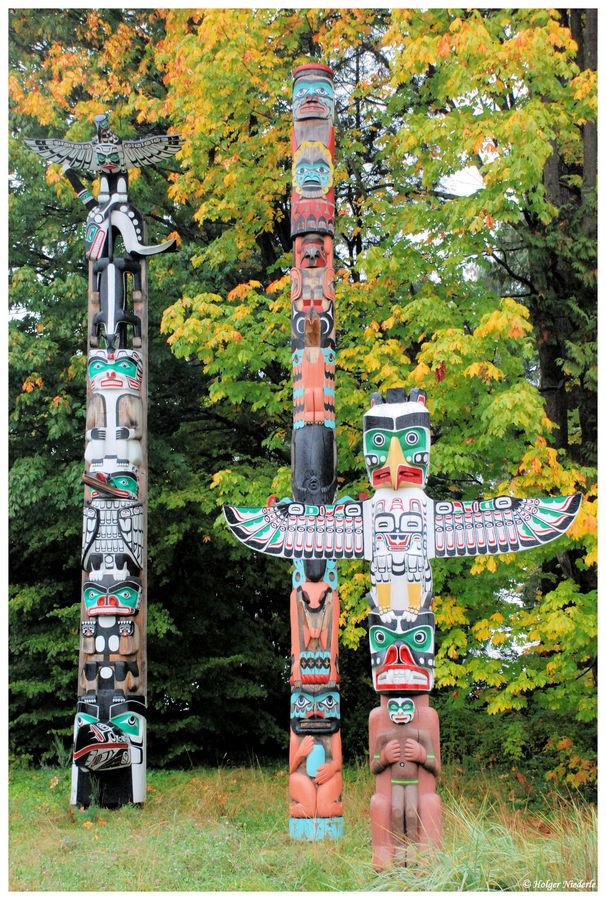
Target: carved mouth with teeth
397, 678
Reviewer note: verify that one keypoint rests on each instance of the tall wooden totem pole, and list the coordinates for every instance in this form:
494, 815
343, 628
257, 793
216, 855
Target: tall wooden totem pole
316, 808
399, 530
109, 757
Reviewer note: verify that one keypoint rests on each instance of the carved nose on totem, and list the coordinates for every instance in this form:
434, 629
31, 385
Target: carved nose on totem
405, 656
391, 657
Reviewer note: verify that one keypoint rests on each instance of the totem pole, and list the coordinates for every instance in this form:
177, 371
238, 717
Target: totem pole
316, 808
109, 757
399, 530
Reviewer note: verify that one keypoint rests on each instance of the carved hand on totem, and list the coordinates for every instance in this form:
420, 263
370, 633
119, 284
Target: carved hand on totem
299, 751
414, 752
326, 771
306, 745
391, 753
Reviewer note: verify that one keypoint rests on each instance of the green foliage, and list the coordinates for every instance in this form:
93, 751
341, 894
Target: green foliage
486, 299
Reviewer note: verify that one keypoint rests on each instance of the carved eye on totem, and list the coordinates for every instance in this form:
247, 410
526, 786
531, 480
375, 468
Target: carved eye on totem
419, 638
329, 703
411, 438
385, 523
127, 595
105, 159
126, 482
379, 440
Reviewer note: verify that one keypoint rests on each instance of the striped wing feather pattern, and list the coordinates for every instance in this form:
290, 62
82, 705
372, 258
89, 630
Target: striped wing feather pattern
501, 524
295, 531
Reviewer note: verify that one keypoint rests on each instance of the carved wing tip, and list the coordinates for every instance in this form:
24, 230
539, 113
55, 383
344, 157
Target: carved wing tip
575, 506
229, 513
153, 149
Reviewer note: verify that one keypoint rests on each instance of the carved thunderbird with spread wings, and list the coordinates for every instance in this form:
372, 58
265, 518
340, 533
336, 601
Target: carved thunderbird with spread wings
400, 532
106, 152
400, 529
345, 530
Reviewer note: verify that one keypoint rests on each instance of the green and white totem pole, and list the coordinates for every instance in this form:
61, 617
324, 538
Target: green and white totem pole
109, 758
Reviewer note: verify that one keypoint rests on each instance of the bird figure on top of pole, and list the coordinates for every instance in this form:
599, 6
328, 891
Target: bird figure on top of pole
109, 757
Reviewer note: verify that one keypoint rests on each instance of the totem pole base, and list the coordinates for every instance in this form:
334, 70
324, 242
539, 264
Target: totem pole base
108, 791
315, 829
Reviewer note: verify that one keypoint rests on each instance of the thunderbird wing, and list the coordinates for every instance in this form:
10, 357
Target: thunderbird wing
90, 527
130, 523
501, 524
151, 149
55, 150
295, 531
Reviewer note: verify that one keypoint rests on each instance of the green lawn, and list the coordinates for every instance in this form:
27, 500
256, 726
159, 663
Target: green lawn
227, 829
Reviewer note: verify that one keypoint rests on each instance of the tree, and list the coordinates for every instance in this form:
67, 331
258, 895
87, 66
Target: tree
217, 647
431, 94
486, 300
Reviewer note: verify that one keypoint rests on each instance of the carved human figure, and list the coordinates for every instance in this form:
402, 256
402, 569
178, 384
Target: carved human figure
109, 645
404, 745
312, 169
315, 758
313, 104
403, 748
315, 781
313, 93
313, 378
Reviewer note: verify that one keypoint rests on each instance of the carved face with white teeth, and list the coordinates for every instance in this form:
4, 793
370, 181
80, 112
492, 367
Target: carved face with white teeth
402, 655
314, 713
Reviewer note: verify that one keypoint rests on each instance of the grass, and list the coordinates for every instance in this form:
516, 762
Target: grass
227, 829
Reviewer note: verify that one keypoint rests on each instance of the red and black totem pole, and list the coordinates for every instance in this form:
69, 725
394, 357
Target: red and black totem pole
316, 806
109, 759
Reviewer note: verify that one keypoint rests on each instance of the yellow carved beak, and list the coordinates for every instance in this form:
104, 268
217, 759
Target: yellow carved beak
395, 458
